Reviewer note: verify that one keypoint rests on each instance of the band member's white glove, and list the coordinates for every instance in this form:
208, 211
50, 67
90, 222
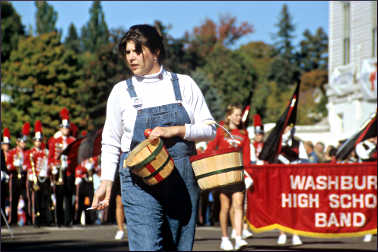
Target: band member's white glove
54, 170
77, 181
17, 162
64, 162
89, 166
4, 176
30, 177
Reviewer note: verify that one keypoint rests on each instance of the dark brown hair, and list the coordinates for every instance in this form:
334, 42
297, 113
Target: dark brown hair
143, 35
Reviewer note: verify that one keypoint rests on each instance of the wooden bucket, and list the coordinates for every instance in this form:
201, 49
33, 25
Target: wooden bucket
217, 169
150, 161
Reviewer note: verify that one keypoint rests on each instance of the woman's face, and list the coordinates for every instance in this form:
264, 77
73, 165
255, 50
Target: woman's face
144, 63
235, 117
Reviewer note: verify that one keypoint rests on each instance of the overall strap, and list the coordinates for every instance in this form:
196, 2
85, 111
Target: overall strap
176, 87
130, 88
134, 98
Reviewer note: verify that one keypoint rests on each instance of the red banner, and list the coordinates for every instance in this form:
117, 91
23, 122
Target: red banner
316, 200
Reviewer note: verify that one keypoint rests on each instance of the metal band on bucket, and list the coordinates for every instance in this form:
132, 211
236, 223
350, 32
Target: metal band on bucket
156, 172
219, 171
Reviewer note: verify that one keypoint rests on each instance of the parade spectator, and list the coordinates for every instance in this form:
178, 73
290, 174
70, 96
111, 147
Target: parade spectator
312, 157
319, 151
232, 197
330, 154
162, 217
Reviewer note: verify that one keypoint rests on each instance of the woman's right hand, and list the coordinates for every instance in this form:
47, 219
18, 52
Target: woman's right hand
101, 197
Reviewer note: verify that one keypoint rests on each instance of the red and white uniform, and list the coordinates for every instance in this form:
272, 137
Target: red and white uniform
16, 160
86, 169
256, 148
40, 160
56, 147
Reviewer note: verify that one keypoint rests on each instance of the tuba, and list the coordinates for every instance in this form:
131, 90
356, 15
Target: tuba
35, 181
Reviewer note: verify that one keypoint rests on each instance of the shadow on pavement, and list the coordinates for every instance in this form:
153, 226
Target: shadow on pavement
67, 245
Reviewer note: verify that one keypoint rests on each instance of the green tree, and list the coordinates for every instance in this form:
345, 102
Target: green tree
176, 55
95, 33
11, 26
102, 71
41, 78
204, 38
46, 18
231, 76
72, 40
213, 100
258, 55
313, 52
284, 70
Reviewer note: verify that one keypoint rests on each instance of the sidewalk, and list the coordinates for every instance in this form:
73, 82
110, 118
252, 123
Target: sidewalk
101, 238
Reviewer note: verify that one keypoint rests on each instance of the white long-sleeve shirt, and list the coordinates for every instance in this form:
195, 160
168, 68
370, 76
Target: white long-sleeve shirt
152, 90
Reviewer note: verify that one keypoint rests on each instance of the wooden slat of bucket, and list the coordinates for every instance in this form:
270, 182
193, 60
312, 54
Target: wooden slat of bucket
214, 164
217, 162
221, 179
141, 152
156, 163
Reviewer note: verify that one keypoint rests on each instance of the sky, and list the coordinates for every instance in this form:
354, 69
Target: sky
185, 15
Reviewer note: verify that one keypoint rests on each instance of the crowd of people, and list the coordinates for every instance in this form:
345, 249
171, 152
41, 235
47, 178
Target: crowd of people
42, 186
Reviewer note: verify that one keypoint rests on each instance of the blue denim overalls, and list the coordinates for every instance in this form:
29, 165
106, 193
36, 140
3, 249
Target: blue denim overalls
163, 216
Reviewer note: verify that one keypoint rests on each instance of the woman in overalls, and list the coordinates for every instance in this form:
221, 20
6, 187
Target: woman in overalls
162, 216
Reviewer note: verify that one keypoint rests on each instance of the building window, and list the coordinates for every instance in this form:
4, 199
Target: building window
346, 41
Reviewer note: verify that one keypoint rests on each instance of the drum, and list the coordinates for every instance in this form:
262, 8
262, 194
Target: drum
150, 161
218, 168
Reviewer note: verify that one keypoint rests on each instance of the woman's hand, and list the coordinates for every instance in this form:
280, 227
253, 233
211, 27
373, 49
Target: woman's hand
101, 197
167, 132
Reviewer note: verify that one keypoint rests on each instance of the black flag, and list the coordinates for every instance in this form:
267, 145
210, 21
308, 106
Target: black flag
84, 148
272, 145
370, 130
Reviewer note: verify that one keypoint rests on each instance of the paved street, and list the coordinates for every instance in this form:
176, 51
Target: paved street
101, 238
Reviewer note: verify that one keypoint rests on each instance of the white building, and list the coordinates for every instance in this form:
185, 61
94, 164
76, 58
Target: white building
351, 89
352, 53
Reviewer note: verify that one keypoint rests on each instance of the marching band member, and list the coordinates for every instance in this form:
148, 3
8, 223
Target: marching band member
5, 145
38, 179
258, 141
84, 189
16, 164
62, 177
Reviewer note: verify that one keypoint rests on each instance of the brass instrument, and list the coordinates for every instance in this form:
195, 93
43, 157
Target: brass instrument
19, 167
63, 159
90, 171
35, 181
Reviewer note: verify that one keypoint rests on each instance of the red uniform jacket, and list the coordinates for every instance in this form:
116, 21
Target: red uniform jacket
57, 146
87, 168
40, 161
16, 157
